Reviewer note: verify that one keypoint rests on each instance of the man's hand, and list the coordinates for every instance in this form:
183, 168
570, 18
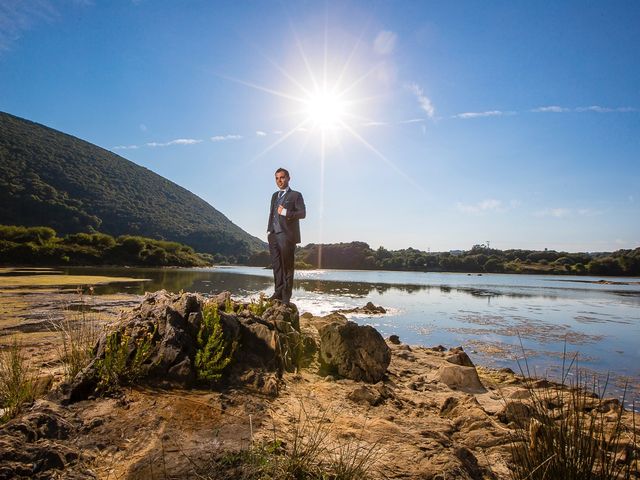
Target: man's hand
281, 209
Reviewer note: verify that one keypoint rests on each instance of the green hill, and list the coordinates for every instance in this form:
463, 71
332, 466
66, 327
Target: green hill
54, 179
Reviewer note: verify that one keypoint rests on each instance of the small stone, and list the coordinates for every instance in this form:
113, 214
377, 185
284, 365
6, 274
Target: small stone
395, 339
364, 394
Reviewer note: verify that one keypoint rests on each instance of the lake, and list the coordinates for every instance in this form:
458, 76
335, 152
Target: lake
495, 317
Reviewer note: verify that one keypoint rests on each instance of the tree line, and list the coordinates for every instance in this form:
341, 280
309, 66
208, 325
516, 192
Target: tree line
479, 259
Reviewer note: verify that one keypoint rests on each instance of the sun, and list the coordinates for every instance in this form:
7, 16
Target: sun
325, 110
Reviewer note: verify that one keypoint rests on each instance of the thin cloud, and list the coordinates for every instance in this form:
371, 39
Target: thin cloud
18, 16
411, 120
554, 212
599, 109
260, 133
489, 113
177, 141
374, 124
551, 108
222, 138
126, 147
591, 108
385, 42
484, 206
424, 101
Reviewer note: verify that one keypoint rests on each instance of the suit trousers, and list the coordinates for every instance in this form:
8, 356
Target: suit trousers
282, 252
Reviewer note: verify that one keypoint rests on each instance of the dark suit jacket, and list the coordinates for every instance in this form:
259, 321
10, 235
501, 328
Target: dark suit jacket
294, 203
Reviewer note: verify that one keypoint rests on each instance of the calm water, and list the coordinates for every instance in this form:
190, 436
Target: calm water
492, 316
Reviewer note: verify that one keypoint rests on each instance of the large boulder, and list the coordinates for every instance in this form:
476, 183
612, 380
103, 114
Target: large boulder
159, 340
354, 351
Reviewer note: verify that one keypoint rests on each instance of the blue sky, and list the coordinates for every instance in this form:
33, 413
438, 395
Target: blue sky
455, 123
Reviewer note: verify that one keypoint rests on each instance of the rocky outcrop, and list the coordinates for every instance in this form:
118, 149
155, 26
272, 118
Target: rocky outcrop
354, 351
161, 335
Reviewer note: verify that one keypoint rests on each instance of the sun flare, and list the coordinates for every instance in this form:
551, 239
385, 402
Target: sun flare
325, 110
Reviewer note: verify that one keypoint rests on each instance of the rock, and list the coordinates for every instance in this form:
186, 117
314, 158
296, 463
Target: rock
405, 354
460, 358
333, 318
515, 412
395, 339
165, 327
460, 378
354, 351
364, 394
30, 445
438, 348
520, 394
368, 309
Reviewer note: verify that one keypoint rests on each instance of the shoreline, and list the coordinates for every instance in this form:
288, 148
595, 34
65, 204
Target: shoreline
432, 414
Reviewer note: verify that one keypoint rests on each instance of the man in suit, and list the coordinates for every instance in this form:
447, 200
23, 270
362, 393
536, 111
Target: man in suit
283, 228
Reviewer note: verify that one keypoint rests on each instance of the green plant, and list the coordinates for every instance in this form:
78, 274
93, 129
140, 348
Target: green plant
17, 383
214, 352
574, 433
260, 306
229, 305
124, 359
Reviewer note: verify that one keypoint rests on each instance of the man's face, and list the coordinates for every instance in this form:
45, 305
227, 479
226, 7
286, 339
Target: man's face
282, 180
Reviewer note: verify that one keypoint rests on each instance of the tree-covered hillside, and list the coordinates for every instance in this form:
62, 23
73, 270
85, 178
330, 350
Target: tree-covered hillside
53, 179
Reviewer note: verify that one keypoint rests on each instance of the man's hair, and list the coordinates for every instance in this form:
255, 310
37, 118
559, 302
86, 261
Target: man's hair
283, 170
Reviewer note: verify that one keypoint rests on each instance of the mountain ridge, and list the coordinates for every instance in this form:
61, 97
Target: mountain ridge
51, 178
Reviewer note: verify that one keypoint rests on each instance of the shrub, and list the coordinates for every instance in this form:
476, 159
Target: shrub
124, 359
260, 306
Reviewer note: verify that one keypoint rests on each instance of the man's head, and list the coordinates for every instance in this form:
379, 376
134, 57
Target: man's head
282, 178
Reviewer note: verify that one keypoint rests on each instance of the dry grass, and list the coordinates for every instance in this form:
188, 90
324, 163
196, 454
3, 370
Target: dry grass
17, 382
574, 433
78, 333
310, 448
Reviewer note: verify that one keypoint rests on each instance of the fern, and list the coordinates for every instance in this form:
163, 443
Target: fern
214, 353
